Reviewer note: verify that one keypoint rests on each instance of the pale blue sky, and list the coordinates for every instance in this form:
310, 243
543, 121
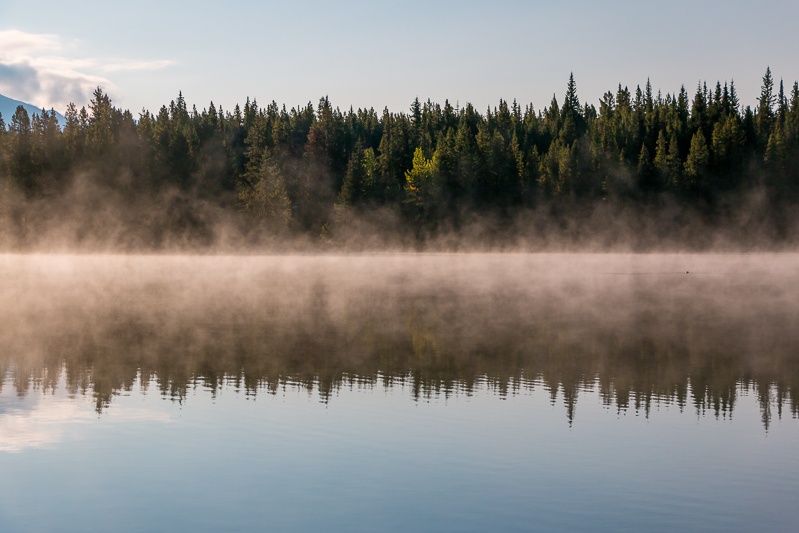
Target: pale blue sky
385, 53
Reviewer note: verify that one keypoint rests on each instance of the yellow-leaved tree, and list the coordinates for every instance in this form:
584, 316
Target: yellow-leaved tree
422, 183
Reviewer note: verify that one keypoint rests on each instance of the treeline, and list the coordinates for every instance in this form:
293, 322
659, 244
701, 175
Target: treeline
709, 383
302, 170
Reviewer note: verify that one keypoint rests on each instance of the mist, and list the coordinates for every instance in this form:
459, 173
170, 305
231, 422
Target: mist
641, 328
632, 248
95, 214
642, 172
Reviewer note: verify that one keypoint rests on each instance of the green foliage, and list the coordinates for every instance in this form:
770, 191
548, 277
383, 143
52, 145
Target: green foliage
422, 184
22, 159
776, 151
727, 145
556, 171
289, 168
361, 178
765, 107
696, 165
267, 199
647, 181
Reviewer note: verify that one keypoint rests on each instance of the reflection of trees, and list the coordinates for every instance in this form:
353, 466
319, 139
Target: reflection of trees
632, 345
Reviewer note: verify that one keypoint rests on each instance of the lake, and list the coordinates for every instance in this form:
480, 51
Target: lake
406, 392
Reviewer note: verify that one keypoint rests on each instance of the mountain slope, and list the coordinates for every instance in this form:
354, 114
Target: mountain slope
8, 106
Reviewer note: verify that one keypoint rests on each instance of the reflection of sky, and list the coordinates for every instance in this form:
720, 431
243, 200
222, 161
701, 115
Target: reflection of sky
373, 459
38, 420
41, 424
11, 402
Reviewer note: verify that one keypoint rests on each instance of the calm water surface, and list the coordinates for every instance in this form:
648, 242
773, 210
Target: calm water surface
396, 393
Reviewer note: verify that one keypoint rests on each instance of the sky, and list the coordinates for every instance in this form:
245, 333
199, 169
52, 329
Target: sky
384, 54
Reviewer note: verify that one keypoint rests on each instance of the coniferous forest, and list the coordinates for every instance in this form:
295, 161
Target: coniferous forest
640, 170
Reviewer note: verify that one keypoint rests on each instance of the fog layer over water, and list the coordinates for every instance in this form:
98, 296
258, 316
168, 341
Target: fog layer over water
548, 392
689, 329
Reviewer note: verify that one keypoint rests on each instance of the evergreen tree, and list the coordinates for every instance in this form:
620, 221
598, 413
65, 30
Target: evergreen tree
661, 161
776, 151
734, 103
727, 143
726, 107
646, 175
531, 177
673, 174
101, 133
571, 114
782, 104
22, 161
696, 166
267, 200
557, 169
358, 181
74, 135
792, 121
699, 109
765, 107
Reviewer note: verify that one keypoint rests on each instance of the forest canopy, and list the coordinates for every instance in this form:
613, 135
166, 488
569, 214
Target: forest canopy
172, 178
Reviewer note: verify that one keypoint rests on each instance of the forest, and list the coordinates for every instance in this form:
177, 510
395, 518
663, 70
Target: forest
195, 179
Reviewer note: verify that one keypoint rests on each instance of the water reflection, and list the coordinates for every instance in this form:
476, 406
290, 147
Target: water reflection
40, 421
37, 425
636, 328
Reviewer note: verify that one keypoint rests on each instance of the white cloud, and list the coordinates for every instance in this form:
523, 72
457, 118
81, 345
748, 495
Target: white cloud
18, 42
34, 69
42, 85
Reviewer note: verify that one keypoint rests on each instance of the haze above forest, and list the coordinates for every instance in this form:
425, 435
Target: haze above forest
642, 170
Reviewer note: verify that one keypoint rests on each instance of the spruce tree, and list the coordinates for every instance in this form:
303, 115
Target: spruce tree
726, 108
782, 104
699, 110
650, 104
674, 164
734, 103
646, 181
572, 101
792, 123
353, 190
661, 157
268, 199
21, 158
765, 107
696, 165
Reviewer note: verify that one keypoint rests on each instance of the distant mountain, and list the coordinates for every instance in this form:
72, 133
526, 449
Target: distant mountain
8, 107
